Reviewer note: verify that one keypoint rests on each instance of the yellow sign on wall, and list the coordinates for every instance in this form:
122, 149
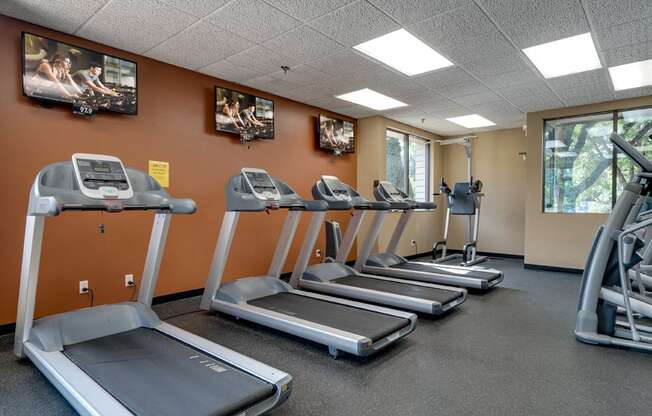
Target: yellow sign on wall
160, 171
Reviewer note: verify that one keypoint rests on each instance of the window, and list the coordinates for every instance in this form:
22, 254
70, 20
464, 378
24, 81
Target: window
583, 173
408, 164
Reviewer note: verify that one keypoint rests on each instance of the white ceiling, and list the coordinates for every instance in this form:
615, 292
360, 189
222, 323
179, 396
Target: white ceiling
247, 41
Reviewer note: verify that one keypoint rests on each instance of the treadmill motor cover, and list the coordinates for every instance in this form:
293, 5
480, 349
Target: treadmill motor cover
153, 374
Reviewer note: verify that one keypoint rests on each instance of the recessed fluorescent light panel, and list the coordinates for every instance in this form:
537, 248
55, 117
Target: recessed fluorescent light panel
372, 99
634, 75
471, 121
565, 56
404, 52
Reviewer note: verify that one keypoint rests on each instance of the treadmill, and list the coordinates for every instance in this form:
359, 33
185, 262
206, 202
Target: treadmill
342, 325
388, 263
121, 359
338, 279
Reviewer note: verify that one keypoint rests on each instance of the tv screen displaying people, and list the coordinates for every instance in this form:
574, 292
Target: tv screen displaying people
243, 114
336, 135
59, 72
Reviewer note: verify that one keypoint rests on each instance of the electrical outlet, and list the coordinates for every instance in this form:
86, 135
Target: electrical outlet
83, 287
318, 253
129, 280
413, 242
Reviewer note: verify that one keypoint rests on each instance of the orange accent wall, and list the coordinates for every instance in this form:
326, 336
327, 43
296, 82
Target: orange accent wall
175, 123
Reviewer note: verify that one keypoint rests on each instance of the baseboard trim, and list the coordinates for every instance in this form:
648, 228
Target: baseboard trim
552, 268
7, 329
177, 296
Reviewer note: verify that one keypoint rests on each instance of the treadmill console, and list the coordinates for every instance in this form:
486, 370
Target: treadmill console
101, 176
391, 190
336, 188
261, 184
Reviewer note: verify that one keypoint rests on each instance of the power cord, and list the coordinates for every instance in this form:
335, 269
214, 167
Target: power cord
416, 248
133, 292
89, 291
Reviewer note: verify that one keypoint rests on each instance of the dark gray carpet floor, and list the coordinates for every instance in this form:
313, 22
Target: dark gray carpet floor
507, 352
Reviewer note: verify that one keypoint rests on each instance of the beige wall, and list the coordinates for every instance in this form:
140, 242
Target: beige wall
496, 162
559, 239
424, 227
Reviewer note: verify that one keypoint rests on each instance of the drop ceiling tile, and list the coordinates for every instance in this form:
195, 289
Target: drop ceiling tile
497, 110
356, 111
345, 62
607, 13
586, 94
199, 8
271, 85
628, 54
626, 34
407, 12
198, 46
253, 20
510, 78
532, 89
63, 15
326, 102
301, 75
497, 64
135, 25
441, 105
304, 44
444, 127
306, 10
448, 113
532, 22
462, 35
426, 97
443, 77
262, 60
355, 23
633, 93
477, 98
228, 71
595, 77
530, 104
405, 112
466, 88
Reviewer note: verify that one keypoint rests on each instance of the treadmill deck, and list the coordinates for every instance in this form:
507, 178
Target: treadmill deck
373, 325
441, 296
434, 268
151, 373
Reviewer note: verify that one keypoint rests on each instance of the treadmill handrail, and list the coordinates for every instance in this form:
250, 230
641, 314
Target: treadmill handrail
631, 151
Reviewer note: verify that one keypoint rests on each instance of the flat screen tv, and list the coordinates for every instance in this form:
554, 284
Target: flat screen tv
58, 72
336, 135
243, 114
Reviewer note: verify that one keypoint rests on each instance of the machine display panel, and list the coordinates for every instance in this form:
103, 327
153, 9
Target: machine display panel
336, 187
261, 184
391, 190
102, 177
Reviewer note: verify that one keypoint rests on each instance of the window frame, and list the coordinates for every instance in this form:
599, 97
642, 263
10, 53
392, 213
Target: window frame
406, 160
614, 161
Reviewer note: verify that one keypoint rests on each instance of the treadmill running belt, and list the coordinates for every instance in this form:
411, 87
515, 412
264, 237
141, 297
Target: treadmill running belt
434, 268
152, 374
372, 325
441, 296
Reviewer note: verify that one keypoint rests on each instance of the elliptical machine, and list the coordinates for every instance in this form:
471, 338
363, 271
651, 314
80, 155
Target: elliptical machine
464, 199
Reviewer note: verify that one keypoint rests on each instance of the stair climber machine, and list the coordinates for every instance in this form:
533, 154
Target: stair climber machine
121, 359
463, 200
340, 324
388, 263
337, 279
606, 286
